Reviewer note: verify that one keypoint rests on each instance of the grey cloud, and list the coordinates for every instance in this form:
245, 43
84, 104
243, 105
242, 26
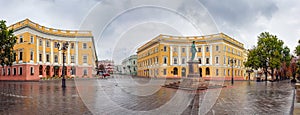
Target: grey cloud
240, 12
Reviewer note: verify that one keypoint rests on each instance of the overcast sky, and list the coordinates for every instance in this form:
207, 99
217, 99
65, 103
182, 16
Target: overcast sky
121, 26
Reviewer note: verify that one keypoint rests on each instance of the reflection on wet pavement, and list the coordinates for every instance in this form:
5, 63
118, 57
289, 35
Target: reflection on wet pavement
142, 96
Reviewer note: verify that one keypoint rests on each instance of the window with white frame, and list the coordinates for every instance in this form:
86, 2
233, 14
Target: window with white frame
15, 71
217, 72
47, 43
183, 50
84, 59
217, 48
84, 45
224, 61
85, 71
183, 61
21, 39
165, 60
40, 42
20, 55
55, 58
31, 71
199, 49
200, 60
40, 57
207, 60
72, 59
8, 71
20, 70
31, 55
207, 49
165, 48
175, 60
72, 45
31, 39
217, 60
165, 71
47, 58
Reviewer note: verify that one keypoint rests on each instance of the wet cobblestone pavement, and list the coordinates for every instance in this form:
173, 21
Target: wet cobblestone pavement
122, 95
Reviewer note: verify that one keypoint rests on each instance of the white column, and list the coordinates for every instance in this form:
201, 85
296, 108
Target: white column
51, 52
37, 50
68, 58
76, 52
179, 55
44, 51
59, 53
171, 55
203, 60
187, 53
210, 54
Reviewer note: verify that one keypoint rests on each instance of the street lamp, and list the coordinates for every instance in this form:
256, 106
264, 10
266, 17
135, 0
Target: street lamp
63, 48
232, 61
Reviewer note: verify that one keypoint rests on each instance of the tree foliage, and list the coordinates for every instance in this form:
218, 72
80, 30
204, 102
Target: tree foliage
267, 54
7, 42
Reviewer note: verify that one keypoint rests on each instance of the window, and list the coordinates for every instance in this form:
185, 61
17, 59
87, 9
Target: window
217, 72
55, 44
183, 61
21, 39
20, 55
200, 60
55, 58
31, 39
40, 57
183, 50
84, 46
31, 71
175, 49
165, 71
228, 49
199, 49
47, 58
207, 49
15, 71
217, 60
165, 60
72, 59
207, 72
228, 72
217, 48
207, 60
224, 60
73, 70
8, 71
224, 72
165, 48
85, 72
228, 60
20, 70
72, 45
224, 48
41, 42
47, 43
175, 60
84, 59
31, 55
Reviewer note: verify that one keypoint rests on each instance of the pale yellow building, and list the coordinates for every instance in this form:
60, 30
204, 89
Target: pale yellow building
37, 54
167, 56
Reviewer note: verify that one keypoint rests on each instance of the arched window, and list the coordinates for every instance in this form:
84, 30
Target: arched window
207, 71
40, 70
175, 71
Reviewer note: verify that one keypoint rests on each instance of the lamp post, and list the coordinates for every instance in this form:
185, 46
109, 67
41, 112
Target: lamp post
63, 48
232, 61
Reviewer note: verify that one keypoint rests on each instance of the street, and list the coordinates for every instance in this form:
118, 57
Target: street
126, 95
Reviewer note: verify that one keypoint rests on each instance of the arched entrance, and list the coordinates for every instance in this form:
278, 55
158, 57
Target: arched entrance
200, 71
40, 70
183, 72
207, 72
48, 70
175, 71
56, 70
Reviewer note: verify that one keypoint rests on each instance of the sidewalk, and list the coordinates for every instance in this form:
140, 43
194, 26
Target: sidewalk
297, 99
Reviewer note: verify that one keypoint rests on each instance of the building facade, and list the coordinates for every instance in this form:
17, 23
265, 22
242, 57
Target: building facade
37, 53
167, 56
108, 65
129, 65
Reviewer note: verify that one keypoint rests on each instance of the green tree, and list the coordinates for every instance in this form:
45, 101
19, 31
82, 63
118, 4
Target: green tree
297, 52
267, 54
286, 60
7, 42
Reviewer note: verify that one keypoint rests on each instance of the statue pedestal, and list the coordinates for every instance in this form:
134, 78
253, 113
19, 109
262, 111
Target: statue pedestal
193, 67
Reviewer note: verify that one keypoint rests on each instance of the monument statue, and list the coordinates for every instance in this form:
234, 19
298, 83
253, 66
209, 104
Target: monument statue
193, 50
